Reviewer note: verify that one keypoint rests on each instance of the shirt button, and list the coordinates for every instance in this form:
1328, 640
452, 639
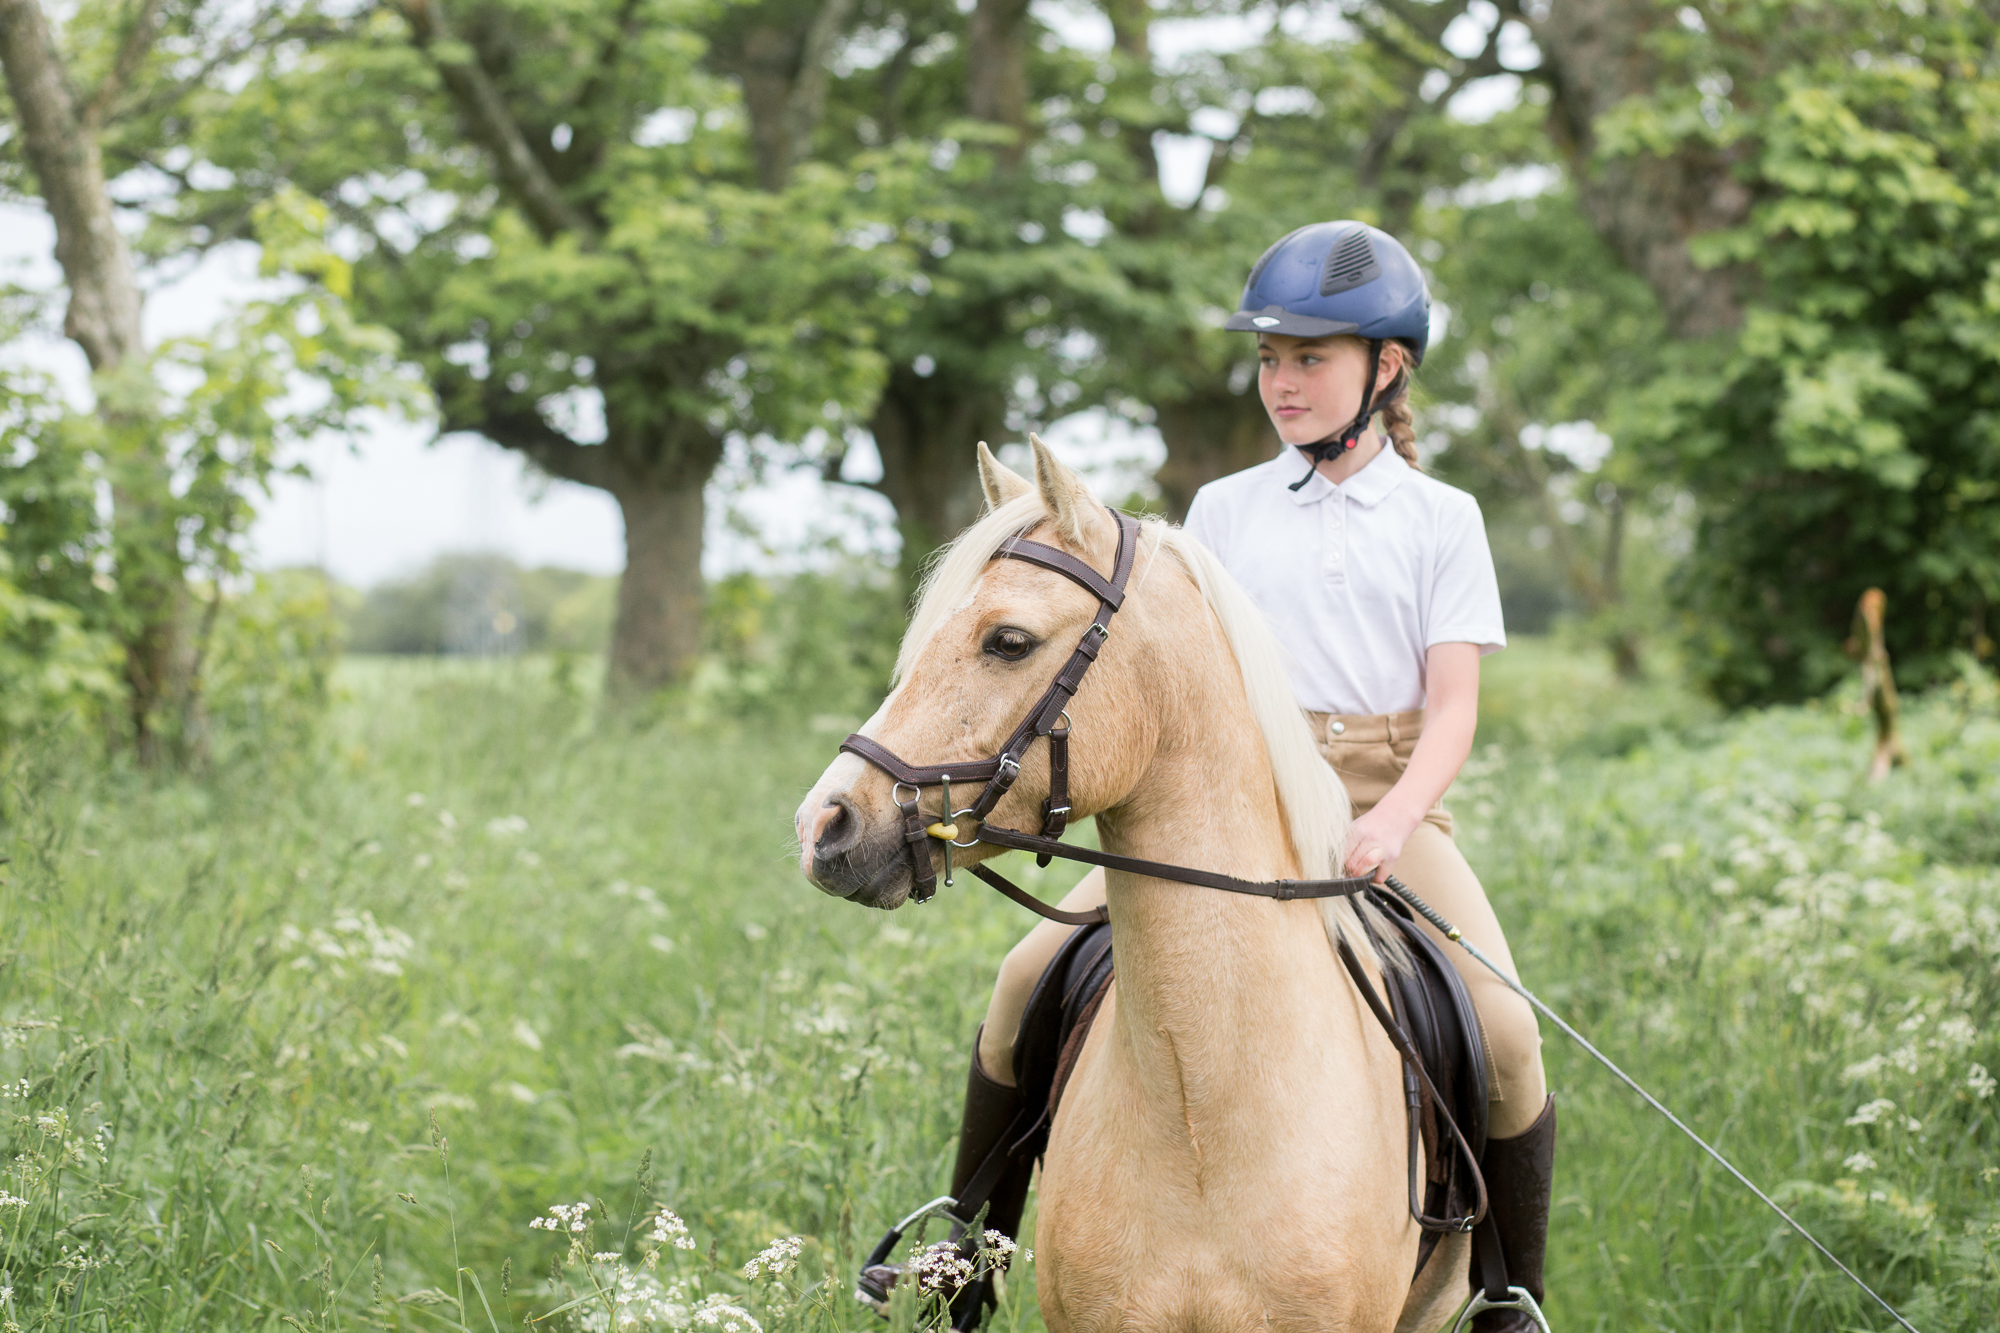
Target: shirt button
1337, 728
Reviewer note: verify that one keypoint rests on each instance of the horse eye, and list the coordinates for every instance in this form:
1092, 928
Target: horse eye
1009, 644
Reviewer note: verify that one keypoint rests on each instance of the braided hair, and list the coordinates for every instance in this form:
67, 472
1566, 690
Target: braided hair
1397, 420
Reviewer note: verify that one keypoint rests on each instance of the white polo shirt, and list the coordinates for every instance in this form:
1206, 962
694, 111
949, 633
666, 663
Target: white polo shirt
1357, 580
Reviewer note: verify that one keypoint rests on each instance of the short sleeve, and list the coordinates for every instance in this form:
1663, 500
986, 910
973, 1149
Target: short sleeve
1200, 522
1464, 593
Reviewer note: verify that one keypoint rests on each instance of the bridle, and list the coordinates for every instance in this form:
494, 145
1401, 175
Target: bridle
1048, 717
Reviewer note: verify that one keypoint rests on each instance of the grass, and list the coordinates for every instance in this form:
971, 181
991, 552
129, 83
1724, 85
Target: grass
230, 1009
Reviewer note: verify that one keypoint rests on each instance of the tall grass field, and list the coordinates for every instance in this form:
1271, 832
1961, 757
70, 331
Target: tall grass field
319, 1040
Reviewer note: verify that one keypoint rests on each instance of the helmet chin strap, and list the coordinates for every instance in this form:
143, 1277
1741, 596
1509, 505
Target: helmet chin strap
1347, 436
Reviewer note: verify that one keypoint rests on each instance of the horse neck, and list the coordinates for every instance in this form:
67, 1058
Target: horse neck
1211, 984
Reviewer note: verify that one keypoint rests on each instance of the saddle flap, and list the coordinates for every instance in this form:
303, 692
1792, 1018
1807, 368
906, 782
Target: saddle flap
1432, 1004
1059, 1010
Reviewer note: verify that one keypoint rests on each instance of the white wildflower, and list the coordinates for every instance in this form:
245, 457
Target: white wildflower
1863, 1069
1871, 1112
1981, 1082
1914, 1125
415, 800
573, 1217
1000, 1245
778, 1258
526, 1035
1860, 1163
1955, 1033
942, 1268
508, 826
717, 1313
668, 1229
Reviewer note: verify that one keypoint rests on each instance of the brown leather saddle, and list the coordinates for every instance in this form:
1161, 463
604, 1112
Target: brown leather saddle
1429, 1002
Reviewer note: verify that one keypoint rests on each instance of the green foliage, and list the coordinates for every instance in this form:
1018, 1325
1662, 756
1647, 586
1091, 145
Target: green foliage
1845, 439
816, 643
183, 442
56, 664
52, 669
267, 681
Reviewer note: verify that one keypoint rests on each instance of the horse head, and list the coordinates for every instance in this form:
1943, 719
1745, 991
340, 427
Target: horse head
986, 639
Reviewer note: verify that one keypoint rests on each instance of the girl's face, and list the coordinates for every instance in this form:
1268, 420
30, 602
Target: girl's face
1312, 386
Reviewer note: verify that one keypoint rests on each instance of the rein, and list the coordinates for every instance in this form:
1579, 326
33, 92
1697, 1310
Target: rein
1047, 717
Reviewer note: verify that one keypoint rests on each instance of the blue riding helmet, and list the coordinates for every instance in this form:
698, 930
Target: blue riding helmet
1338, 278
1335, 278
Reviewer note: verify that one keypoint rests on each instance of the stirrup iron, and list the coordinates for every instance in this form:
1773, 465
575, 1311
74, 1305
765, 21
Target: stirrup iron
878, 1297
1517, 1299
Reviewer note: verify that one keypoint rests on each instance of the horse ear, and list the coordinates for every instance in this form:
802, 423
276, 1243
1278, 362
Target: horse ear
1000, 482
1081, 520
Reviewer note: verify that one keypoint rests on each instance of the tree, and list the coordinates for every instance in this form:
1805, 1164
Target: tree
1803, 200
176, 463
591, 255
981, 353
1843, 437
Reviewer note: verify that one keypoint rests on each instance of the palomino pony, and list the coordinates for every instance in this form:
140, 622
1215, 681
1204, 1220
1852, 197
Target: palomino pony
1230, 1151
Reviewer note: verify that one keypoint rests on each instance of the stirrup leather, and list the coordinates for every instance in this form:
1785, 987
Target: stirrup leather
1517, 1299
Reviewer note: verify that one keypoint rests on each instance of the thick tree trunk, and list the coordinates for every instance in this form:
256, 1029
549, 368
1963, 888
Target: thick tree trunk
778, 55
658, 631
1596, 54
1210, 436
926, 429
996, 69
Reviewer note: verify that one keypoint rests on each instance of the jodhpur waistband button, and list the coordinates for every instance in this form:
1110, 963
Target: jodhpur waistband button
1337, 728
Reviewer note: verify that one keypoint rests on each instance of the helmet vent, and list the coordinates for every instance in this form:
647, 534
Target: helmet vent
1351, 264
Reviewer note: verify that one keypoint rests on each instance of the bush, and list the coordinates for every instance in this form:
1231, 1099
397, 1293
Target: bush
269, 666
52, 668
822, 643
1849, 435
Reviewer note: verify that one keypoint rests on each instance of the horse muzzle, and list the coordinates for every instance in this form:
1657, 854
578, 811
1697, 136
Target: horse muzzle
855, 858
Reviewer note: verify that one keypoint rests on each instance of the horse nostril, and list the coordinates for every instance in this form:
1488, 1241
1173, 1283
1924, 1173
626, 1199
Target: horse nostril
835, 828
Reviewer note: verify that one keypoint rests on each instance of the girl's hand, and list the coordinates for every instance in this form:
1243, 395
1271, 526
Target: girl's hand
1376, 839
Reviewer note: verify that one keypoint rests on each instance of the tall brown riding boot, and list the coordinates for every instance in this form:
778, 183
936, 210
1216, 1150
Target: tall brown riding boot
990, 1108
1520, 1178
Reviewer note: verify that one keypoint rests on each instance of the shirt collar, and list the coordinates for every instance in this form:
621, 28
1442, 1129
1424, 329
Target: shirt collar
1370, 486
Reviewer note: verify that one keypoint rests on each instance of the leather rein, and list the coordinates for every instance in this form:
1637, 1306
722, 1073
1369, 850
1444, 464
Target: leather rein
1048, 718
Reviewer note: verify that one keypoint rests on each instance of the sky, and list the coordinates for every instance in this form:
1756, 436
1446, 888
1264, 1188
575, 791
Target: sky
393, 496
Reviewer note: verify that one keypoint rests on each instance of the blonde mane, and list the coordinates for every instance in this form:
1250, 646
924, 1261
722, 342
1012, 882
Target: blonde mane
1311, 800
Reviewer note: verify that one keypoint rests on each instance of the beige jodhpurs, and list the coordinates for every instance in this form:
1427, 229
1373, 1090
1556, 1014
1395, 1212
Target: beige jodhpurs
1369, 754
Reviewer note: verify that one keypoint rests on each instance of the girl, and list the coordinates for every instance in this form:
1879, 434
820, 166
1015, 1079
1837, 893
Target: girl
1378, 581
